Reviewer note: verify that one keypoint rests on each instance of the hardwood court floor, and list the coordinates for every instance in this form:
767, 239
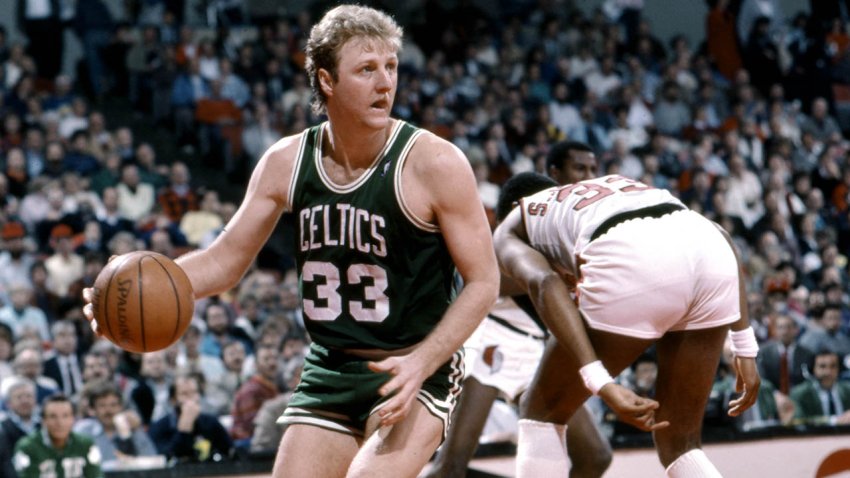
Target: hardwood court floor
774, 458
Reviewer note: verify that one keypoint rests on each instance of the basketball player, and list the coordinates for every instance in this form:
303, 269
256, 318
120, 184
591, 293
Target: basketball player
503, 354
649, 271
385, 212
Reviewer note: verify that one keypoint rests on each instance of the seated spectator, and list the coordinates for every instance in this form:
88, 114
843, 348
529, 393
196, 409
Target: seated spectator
65, 266
15, 259
150, 397
21, 317
15, 172
178, 197
74, 120
782, 360
28, 364
819, 123
78, 158
79, 199
671, 111
112, 222
190, 358
19, 405
220, 329
65, 366
195, 225
135, 198
824, 332
233, 87
222, 388
186, 433
116, 432
262, 386
149, 170
102, 362
58, 451
108, 176
43, 298
824, 399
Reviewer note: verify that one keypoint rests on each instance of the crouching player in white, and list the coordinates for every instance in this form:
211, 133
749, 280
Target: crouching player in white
649, 271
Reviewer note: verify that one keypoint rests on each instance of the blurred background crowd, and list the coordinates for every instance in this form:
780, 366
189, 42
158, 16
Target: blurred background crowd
147, 140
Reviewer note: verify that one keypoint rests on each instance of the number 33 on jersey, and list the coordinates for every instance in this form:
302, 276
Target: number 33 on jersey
371, 273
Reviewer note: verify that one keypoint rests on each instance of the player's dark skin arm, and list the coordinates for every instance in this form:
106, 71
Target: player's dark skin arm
747, 380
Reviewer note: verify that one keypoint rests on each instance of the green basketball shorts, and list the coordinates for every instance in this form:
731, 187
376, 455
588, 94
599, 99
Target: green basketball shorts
338, 392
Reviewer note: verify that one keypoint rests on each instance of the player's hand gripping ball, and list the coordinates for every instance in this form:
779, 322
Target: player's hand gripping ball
142, 301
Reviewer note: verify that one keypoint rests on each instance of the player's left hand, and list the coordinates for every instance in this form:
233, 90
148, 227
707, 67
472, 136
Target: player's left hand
407, 375
632, 408
88, 310
747, 383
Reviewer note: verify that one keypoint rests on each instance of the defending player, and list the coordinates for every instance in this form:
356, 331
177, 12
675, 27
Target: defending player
505, 350
649, 271
385, 212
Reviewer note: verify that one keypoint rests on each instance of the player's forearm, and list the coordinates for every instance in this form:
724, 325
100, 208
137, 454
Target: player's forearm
216, 269
458, 323
552, 300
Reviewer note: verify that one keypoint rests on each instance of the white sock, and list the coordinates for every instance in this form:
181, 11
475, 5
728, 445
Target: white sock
693, 464
541, 450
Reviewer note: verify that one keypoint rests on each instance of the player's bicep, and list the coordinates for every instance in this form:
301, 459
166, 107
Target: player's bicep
517, 260
463, 222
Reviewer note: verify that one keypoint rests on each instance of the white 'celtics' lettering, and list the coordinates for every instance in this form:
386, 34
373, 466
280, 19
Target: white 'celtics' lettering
358, 229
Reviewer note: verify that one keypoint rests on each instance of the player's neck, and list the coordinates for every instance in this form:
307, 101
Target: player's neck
355, 147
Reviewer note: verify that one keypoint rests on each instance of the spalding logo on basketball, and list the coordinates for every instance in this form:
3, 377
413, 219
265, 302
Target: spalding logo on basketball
143, 301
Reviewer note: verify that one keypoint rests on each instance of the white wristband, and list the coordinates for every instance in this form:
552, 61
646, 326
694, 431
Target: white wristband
595, 376
744, 342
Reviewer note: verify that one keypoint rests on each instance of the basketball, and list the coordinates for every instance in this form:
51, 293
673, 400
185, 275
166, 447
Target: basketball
142, 301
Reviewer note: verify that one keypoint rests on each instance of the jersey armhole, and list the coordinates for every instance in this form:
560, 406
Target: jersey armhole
408, 213
296, 170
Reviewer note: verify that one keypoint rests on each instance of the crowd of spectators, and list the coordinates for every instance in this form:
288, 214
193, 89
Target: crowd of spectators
748, 127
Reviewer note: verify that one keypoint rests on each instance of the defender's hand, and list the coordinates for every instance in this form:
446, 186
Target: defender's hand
632, 408
747, 383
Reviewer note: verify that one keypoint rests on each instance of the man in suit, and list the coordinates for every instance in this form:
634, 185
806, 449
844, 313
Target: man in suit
823, 400
18, 395
784, 348
65, 367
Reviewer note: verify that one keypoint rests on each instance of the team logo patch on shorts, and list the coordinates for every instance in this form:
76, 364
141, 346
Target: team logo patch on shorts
493, 358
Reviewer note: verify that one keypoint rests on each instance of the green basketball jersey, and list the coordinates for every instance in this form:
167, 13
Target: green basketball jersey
371, 274
34, 458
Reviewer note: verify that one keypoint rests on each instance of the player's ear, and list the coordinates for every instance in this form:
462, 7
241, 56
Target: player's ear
326, 82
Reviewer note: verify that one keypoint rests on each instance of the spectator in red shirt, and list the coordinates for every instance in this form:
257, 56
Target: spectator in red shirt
252, 394
178, 197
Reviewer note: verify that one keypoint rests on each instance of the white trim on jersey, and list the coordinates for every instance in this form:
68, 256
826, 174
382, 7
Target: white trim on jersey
290, 197
411, 216
347, 188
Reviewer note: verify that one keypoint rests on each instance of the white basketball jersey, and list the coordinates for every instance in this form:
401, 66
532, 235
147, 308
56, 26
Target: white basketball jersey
561, 220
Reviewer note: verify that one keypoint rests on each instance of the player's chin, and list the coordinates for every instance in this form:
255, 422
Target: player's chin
379, 117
